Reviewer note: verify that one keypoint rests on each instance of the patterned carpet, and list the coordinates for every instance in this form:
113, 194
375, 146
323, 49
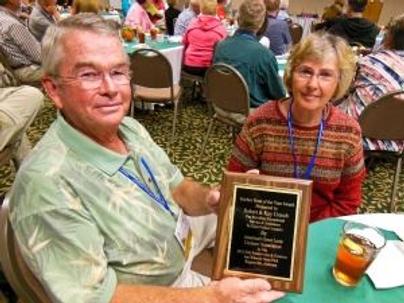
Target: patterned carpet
185, 151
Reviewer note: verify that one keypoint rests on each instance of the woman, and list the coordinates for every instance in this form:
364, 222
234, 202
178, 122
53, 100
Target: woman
86, 6
304, 136
138, 17
201, 37
333, 11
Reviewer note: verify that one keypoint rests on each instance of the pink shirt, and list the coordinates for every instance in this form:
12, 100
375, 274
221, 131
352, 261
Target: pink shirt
137, 16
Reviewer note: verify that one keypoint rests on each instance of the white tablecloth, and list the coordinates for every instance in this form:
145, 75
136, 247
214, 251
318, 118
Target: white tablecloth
174, 55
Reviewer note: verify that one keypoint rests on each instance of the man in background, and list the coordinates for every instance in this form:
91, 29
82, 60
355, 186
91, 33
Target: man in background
277, 30
20, 48
44, 14
185, 18
255, 63
353, 27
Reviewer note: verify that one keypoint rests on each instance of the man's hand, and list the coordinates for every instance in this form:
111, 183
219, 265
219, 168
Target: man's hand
212, 199
235, 290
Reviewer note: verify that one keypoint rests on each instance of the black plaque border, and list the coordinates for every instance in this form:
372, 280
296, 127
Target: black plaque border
297, 192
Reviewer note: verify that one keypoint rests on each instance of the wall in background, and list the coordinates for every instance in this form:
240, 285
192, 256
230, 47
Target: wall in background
391, 7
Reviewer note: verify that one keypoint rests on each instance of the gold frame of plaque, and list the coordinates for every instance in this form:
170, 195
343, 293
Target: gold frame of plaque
262, 229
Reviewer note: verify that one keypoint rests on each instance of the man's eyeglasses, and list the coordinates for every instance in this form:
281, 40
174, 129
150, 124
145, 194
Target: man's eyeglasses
324, 76
93, 79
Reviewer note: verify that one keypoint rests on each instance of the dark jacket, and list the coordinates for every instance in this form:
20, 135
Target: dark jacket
170, 14
355, 30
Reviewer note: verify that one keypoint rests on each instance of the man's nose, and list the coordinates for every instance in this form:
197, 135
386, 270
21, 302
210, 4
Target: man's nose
108, 85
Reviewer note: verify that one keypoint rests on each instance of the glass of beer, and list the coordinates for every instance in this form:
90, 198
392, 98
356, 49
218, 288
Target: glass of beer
141, 36
358, 247
153, 33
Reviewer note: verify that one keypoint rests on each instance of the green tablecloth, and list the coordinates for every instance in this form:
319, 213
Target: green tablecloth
130, 47
319, 283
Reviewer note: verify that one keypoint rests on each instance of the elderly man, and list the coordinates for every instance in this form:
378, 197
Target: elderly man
98, 209
17, 44
277, 31
185, 18
256, 63
354, 28
44, 14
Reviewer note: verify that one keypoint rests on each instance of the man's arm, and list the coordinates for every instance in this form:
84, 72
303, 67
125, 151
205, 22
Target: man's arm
196, 199
230, 290
26, 42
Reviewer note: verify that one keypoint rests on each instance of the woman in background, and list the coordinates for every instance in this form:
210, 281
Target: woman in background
201, 37
305, 136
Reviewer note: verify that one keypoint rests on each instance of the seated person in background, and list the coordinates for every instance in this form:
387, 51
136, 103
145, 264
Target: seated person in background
255, 63
99, 200
170, 15
44, 14
186, 16
201, 37
137, 16
354, 28
277, 30
221, 9
378, 74
18, 108
86, 6
283, 11
334, 10
18, 45
304, 136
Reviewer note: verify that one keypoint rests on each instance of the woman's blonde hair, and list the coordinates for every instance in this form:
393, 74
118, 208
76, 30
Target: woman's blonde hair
318, 46
208, 7
86, 6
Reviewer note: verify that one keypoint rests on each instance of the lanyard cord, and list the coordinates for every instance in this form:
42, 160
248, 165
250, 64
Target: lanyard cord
159, 198
291, 138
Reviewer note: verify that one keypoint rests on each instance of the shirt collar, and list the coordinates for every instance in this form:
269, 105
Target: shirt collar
246, 33
87, 149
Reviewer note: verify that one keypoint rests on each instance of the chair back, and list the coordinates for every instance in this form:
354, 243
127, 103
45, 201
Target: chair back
383, 118
151, 69
20, 277
296, 32
227, 89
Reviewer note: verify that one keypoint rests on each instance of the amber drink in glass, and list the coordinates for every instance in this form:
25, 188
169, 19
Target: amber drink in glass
358, 247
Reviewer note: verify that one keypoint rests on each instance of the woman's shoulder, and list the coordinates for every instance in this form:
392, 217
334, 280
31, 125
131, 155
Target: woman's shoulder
267, 112
343, 122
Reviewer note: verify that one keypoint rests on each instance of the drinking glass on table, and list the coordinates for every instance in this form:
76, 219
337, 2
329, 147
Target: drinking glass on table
358, 247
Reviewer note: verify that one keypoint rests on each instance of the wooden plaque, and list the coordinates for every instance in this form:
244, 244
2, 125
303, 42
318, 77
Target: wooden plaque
262, 229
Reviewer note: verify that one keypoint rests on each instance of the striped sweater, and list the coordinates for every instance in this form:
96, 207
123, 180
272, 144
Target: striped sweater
339, 167
378, 74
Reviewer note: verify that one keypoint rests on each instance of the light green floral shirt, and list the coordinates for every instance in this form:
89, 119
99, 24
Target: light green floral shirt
83, 226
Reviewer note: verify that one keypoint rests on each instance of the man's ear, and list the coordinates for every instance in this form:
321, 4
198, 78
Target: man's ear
52, 89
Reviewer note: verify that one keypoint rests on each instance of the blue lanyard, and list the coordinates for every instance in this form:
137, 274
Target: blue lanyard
159, 197
291, 137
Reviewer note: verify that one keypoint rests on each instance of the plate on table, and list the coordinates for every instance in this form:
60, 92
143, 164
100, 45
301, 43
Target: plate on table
141, 45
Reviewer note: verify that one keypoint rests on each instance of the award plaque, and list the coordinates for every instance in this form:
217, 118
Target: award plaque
262, 229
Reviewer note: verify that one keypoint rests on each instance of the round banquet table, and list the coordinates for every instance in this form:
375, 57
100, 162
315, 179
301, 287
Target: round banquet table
319, 283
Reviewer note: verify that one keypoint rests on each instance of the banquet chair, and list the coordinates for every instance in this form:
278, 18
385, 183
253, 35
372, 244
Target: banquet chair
383, 120
20, 277
228, 94
296, 32
152, 80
